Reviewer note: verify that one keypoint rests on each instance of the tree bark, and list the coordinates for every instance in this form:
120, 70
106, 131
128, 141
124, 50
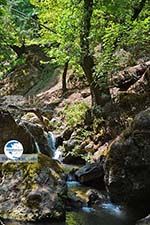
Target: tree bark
18, 50
87, 59
64, 75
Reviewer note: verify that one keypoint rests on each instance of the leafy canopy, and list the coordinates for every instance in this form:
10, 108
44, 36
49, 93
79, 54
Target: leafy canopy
17, 27
112, 25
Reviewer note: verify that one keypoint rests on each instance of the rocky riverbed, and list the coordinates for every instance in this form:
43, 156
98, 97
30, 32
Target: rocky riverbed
37, 191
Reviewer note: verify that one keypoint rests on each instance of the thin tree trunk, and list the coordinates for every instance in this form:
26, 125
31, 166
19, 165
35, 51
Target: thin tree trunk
64, 75
18, 50
137, 9
88, 67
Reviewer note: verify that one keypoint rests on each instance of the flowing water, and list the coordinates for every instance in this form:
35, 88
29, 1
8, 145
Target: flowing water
56, 153
109, 215
106, 214
51, 141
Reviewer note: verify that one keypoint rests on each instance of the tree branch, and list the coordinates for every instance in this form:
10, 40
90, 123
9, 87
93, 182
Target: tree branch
42, 25
137, 9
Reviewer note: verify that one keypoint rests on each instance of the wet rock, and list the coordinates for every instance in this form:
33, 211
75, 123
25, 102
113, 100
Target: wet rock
102, 151
66, 134
96, 198
31, 134
93, 197
59, 141
46, 141
92, 175
32, 191
32, 118
71, 175
127, 165
144, 221
72, 159
73, 153
10, 130
73, 201
39, 136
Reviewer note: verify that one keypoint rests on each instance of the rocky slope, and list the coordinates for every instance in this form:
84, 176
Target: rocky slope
113, 139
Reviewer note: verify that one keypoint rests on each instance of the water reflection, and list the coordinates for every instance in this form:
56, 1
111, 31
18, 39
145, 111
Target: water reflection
87, 217
73, 184
95, 218
113, 209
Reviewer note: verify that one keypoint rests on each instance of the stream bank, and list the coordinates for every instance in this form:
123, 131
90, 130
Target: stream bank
90, 173
106, 214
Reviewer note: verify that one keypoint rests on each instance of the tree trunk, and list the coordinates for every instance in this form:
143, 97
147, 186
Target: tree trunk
18, 50
87, 59
64, 75
88, 68
137, 9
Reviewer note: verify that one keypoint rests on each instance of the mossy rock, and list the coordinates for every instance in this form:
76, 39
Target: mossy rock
32, 191
127, 164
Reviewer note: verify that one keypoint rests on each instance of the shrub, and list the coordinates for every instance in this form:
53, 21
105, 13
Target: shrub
74, 114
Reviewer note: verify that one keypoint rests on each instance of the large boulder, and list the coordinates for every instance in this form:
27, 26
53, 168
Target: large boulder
79, 147
32, 191
91, 174
30, 133
9, 130
127, 165
72, 153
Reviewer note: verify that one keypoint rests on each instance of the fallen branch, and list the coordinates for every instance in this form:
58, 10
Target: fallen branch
124, 79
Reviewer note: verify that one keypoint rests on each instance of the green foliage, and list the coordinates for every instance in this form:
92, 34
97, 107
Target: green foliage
22, 16
63, 20
74, 114
16, 28
111, 25
59, 24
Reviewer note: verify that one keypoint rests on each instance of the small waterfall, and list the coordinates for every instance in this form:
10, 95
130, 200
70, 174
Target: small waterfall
112, 208
51, 142
56, 153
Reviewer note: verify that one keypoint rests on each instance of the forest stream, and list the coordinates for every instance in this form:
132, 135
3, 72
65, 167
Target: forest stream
106, 214
74, 112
